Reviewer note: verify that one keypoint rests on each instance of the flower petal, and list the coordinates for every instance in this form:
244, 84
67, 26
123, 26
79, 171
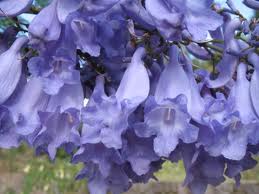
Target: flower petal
11, 69
14, 8
134, 85
46, 25
66, 7
240, 96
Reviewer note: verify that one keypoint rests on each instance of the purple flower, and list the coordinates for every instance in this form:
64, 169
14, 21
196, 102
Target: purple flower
138, 13
167, 115
201, 169
11, 69
240, 98
100, 155
55, 71
69, 96
66, 7
14, 8
175, 18
8, 136
232, 123
175, 81
230, 46
113, 36
169, 122
148, 99
88, 44
104, 169
25, 112
46, 26
117, 182
254, 88
254, 4
234, 168
139, 152
58, 129
133, 89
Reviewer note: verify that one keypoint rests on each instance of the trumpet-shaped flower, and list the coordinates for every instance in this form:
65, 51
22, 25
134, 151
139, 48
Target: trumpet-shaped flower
11, 69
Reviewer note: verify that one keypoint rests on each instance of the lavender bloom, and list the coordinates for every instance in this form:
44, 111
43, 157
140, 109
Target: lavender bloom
254, 88
104, 169
117, 182
150, 103
230, 46
234, 168
137, 12
11, 69
58, 129
88, 44
100, 155
14, 8
254, 36
237, 139
69, 96
46, 26
232, 128
25, 111
139, 152
133, 90
97, 7
201, 169
55, 71
66, 7
229, 138
166, 116
8, 136
113, 36
255, 32
175, 17
182, 82
169, 122
254, 4
240, 98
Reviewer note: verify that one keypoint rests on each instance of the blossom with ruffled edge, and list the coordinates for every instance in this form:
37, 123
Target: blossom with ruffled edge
55, 70
232, 122
46, 26
8, 136
201, 169
183, 18
59, 129
66, 7
106, 118
139, 152
168, 114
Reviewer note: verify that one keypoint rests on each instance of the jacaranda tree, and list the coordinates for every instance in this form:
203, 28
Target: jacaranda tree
167, 80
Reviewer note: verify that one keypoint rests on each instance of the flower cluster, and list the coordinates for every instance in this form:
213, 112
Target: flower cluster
147, 101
